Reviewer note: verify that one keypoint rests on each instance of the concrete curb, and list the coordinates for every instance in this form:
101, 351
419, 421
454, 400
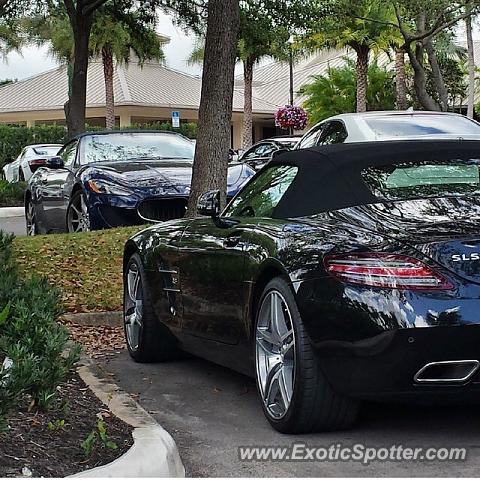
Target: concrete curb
8, 212
154, 452
95, 319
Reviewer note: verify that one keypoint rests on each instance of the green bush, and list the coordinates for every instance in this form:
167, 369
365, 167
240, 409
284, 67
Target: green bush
11, 194
14, 138
30, 336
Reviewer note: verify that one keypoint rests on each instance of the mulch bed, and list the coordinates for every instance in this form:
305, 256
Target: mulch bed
30, 448
97, 342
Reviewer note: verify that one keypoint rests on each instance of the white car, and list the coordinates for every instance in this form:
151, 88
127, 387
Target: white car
29, 161
390, 125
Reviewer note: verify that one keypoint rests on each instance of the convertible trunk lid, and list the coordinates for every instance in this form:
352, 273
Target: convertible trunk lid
446, 229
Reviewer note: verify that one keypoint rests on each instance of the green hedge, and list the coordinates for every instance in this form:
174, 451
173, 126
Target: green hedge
14, 138
11, 194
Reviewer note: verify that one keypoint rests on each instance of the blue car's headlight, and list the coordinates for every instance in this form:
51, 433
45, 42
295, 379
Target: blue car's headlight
108, 188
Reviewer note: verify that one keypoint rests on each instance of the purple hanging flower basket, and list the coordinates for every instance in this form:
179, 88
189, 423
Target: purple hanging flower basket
291, 116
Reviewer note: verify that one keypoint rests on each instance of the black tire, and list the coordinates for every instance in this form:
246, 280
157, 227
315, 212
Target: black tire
155, 343
314, 406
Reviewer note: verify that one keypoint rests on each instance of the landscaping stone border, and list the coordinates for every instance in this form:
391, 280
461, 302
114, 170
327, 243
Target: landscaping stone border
154, 452
95, 319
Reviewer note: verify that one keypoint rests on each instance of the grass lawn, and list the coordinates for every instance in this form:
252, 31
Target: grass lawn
87, 267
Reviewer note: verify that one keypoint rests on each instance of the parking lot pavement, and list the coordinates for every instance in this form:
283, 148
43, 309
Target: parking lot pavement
211, 411
14, 225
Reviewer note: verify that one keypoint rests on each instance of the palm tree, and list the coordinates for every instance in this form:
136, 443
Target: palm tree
114, 36
334, 92
356, 30
257, 40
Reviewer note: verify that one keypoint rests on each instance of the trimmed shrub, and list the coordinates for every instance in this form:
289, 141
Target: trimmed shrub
11, 194
30, 336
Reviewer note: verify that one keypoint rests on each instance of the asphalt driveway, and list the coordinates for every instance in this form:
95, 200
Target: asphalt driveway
211, 411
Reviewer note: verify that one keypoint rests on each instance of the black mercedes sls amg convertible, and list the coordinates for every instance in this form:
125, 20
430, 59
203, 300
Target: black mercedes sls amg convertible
336, 274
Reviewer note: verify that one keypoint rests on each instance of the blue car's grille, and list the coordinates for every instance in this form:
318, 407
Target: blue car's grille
163, 209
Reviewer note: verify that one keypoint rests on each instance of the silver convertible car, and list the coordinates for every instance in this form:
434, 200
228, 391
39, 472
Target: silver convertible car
391, 125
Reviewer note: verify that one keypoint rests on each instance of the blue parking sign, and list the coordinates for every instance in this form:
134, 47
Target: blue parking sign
175, 119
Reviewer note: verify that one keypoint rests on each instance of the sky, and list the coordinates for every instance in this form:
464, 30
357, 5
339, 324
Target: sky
35, 60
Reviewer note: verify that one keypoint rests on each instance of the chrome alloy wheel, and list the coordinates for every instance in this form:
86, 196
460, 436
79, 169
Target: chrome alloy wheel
133, 315
275, 354
31, 220
78, 218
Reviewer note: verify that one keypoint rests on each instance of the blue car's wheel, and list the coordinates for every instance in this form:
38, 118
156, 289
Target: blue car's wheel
78, 218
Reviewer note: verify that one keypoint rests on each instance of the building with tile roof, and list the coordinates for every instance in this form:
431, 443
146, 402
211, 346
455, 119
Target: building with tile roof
143, 94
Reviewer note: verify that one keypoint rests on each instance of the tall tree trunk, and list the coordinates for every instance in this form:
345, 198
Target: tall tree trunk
107, 59
362, 76
400, 80
437, 75
420, 78
416, 60
215, 114
75, 107
471, 67
247, 139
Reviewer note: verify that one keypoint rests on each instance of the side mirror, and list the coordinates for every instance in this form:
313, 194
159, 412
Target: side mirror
55, 162
209, 204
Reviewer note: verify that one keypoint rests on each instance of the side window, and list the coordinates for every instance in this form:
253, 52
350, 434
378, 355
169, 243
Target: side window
310, 138
260, 197
335, 132
256, 151
268, 150
68, 153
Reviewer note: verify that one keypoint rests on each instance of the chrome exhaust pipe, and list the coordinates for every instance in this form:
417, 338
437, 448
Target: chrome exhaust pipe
452, 371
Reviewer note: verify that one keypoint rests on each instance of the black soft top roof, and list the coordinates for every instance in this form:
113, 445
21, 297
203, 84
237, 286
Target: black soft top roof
329, 177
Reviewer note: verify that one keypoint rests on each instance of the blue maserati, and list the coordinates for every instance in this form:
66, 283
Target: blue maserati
112, 179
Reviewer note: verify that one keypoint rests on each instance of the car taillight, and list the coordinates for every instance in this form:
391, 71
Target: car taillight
36, 164
385, 270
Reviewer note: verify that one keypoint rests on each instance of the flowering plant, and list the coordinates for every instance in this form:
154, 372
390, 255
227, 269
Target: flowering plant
291, 116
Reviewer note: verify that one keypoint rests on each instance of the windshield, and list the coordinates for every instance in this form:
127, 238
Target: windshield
51, 151
420, 125
120, 147
426, 179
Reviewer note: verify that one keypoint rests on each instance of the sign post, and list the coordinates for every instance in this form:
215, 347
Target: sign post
176, 119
